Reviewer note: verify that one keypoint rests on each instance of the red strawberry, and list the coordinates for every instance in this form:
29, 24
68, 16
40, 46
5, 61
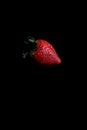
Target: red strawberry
44, 53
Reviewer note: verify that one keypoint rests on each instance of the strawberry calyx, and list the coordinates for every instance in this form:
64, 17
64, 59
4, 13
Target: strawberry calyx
25, 54
31, 39
28, 41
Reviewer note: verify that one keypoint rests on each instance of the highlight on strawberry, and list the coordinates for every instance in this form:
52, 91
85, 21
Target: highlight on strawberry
42, 51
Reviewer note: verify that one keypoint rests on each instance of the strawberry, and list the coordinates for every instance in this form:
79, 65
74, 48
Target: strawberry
44, 53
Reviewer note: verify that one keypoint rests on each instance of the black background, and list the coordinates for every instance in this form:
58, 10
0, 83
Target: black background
42, 25
34, 71
29, 85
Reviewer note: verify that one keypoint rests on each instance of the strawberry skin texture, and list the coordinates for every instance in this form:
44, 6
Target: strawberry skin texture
45, 53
